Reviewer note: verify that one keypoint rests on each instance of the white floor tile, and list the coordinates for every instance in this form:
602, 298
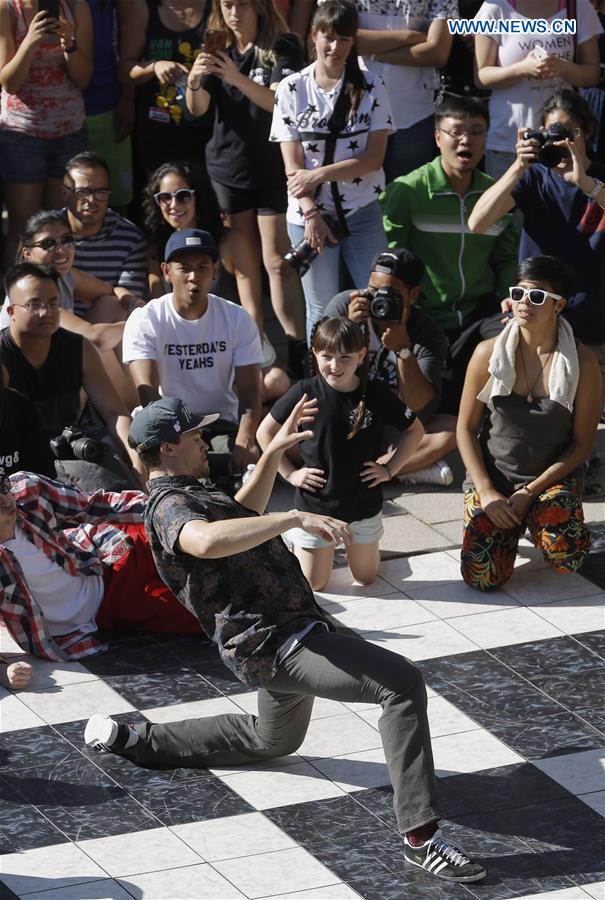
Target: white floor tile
281, 785
55, 866
47, 674
575, 615
596, 801
108, 889
545, 585
233, 836
139, 852
190, 883
333, 892
373, 613
447, 601
596, 890
75, 701
322, 708
341, 584
505, 627
579, 773
196, 709
445, 718
414, 571
15, 715
355, 771
338, 735
574, 893
423, 641
272, 872
471, 751
280, 761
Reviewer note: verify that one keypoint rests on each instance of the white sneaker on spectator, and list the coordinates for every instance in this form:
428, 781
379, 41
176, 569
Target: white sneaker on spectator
438, 473
269, 354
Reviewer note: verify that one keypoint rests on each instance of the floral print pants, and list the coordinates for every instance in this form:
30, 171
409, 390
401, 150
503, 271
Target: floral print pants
556, 524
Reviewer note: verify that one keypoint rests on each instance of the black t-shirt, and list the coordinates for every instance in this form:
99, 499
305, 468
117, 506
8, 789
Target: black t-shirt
23, 444
239, 154
429, 345
344, 495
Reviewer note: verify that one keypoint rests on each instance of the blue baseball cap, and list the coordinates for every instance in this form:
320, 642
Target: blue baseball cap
190, 240
165, 420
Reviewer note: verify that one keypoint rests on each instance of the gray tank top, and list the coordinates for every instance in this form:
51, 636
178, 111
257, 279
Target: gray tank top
519, 440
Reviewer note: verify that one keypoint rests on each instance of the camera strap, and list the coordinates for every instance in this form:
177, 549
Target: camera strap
336, 124
571, 14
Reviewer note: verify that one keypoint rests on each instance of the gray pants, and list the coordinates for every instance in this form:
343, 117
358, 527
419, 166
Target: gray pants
326, 664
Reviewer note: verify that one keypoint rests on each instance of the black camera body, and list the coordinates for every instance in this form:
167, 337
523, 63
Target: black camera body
302, 254
549, 154
72, 443
386, 304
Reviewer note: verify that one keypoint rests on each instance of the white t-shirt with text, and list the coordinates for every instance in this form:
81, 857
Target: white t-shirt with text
196, 359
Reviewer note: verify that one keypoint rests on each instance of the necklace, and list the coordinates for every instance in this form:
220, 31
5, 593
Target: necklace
530, 396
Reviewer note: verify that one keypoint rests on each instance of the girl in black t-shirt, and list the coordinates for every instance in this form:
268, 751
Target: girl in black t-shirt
339, 476
237, 87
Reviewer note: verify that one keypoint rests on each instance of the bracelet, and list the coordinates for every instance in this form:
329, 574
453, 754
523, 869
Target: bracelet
192, 89
596, 189
311, 213
527, 491
72, 48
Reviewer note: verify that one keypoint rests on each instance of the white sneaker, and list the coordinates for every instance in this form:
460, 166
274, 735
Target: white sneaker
104, 733
438, 473
269, 354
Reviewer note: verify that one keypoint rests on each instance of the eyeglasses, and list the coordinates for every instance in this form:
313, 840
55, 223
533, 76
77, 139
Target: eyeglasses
183, 195
90, 193
536, 296
457, 134
35, 307
66, 240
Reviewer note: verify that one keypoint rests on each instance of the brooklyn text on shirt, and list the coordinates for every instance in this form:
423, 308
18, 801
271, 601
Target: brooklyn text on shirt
195, 356
511, 26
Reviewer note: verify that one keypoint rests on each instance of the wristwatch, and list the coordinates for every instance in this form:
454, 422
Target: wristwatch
596, 189
404, 353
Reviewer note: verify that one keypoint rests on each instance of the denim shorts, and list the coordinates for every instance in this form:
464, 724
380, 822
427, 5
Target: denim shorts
364, 531
28, 159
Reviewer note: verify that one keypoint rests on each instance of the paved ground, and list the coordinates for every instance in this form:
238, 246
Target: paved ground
516, 685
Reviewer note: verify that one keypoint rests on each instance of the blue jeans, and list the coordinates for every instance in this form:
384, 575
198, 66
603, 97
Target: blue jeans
358, 250
410, 148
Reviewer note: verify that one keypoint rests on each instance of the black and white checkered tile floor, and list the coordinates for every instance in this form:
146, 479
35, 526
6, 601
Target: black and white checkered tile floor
517, 681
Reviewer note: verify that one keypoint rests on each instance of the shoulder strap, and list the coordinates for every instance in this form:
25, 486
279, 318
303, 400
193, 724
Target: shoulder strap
336, 125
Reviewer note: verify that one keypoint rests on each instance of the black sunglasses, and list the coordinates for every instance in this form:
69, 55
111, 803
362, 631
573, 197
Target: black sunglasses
66, 240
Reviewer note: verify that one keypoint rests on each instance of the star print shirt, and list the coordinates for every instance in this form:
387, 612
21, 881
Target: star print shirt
302, 112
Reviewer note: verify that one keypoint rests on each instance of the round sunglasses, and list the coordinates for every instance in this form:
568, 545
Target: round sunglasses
536, 296
66, 240
183, 195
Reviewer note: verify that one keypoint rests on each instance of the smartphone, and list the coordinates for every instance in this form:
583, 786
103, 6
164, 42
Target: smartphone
214, 40
49, 6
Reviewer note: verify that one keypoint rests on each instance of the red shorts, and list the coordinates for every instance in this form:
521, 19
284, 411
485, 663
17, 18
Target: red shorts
135, 597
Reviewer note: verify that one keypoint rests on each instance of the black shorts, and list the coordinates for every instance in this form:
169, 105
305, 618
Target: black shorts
265, 201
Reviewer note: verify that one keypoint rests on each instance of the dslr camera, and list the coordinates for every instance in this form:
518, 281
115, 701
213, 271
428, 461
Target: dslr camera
549, 154
386, 304
302, 255
72, 443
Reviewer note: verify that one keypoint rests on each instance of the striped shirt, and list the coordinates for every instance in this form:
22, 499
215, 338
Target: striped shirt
117, 254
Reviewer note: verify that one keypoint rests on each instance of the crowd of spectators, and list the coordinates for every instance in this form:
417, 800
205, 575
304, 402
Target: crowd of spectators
422, 213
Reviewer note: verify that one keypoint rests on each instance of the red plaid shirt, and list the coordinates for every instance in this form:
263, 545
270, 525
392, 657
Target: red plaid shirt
74, 531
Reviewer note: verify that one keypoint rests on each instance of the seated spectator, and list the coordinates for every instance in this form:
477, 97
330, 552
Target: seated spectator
109, 97
427, 212
235, 86
333, 145
159, 47
178, 195
205, 350
45, 63
341, 473
527, 422
71, 563
406, 354
108, 246
52, 367
563, 216
405, 44
524, 69
23, 444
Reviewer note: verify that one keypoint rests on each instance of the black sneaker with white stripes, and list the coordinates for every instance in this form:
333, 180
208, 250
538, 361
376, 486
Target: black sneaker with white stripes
444, 860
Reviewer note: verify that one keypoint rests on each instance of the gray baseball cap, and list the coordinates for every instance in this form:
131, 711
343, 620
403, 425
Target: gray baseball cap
165, 420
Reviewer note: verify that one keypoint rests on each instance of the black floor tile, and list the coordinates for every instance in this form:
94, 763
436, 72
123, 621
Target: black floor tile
6, 893
537, 660
79, 799
506, 787
220, 677
31, 747
544, 736
130, 658
192, 801
326, 821
594, 640
163, 688
379, 801
577, 689
22, 826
